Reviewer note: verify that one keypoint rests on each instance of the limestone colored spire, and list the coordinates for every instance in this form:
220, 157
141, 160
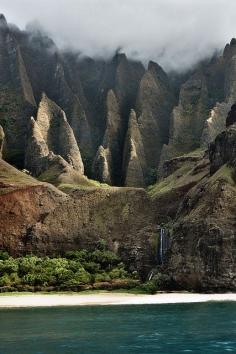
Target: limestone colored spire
215, 123
51, 134
101, 165
134, 157
58, 133
36, 150
108, 156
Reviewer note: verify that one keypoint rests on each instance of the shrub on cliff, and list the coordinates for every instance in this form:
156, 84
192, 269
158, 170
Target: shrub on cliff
76, 269
4, 255
8, 266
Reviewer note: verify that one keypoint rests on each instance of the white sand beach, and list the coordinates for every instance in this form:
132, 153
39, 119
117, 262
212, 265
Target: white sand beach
47, 300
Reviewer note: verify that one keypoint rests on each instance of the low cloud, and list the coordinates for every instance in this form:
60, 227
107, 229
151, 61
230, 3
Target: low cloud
175, 33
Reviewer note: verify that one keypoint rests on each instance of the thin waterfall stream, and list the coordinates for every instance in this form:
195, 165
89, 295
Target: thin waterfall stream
163, 245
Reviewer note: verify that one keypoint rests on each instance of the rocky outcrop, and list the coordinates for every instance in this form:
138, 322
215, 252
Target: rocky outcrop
223, 149
179, 175
128, 75
205, 99
13, 72
31, 64
101, 165
37, 150
73, 102
231, 117
51, 133
154, 105
170, 166
188, 117
25, 82
98, 77
119, 78
202, 254
2, 136
106, 167
16, 96
46, 165
215, 124
220, 114
134, 159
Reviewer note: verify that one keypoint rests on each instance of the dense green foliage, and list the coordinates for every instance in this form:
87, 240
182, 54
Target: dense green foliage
77, 270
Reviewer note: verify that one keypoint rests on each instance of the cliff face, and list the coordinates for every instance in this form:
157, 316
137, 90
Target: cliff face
215, 124
188, 117
195, 202
154, 105
16, 95
223, 149
202, 254
63, 117
150, 94
36, 217
204, 102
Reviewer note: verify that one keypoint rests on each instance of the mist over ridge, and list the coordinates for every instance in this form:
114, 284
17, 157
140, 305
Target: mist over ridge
176, 34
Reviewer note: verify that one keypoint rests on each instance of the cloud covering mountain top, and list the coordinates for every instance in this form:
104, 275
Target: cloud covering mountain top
176, 33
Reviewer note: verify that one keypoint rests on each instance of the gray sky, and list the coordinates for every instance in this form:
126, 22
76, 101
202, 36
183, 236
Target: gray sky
176, 33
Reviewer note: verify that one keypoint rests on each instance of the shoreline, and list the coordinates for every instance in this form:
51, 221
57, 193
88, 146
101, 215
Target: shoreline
104, 298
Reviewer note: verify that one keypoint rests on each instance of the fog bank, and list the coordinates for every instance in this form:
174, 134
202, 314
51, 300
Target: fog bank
174, 33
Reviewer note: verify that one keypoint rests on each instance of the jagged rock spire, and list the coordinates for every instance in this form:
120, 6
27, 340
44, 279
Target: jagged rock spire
3, 21
57, 132
231, 118
107, 158
134, 157
154, 106
51, 133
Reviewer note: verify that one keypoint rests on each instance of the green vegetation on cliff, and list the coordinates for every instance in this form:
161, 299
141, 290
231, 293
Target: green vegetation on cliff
175, 180
11, 178
225, 173
70, 188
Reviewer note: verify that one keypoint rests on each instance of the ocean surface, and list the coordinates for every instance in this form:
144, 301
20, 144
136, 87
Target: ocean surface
145, 329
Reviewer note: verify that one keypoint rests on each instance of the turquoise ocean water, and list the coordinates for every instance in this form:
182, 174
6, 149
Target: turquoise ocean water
204, 328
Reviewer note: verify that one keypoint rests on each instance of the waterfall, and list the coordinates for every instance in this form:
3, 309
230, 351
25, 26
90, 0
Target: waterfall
163, 245
150, 276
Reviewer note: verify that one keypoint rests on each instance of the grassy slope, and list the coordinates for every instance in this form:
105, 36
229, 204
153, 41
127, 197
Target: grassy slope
175, 180
68, 181
11, 178
182, 176
225, 173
